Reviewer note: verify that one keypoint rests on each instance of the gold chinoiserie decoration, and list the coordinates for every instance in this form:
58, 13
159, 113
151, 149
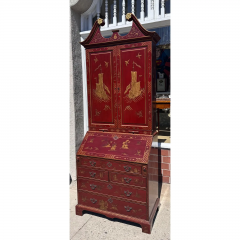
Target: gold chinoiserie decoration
134, 86
100, 89
125, 144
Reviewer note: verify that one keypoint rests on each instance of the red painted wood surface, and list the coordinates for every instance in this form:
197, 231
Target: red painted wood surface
112, 204
92, 173
127, 192
110, 165
119, 146
125, 179
101, 85
135, 86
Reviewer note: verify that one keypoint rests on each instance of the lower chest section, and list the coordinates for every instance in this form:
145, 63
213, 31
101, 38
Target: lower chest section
112, 204
113, 186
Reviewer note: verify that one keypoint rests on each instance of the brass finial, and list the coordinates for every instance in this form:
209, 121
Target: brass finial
100, 21
128, 16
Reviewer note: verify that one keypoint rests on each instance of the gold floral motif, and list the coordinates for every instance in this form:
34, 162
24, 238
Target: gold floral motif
91, 140
82, 171
83, 185
115, 36
106, 108
103, 205
84, 199
139, 114
138, 153
125, 144
101, 175
128, 108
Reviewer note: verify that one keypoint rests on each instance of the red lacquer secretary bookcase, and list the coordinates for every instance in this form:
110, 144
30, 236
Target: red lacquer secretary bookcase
114, 159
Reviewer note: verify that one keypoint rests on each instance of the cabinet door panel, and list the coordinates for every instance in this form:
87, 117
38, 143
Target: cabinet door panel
134, 83
101, 64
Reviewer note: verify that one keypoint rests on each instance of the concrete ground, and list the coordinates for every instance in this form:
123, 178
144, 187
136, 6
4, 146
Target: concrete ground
94, 227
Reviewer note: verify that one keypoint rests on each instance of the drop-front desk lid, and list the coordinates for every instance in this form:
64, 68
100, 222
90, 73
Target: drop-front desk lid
119, 146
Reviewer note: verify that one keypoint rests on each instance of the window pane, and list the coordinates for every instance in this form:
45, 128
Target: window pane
128, 6
137, 8
119, 10
110, 11
167, 6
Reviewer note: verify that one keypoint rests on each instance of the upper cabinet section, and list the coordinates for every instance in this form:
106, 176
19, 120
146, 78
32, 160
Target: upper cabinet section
135, 87
101, 83
121, 79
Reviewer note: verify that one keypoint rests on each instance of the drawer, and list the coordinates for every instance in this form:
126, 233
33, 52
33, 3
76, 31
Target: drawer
111, 165
128, 179
116, 190
111, 204
92, 173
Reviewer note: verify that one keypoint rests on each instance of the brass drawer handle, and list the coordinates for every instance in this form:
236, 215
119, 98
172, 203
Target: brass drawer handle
92, 174
127, 180
127, 168
93, 186
128, 194
93, 200
92, 163
128, 209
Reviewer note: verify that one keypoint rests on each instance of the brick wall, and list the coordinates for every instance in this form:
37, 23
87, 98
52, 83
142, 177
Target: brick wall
165, 165
159, 165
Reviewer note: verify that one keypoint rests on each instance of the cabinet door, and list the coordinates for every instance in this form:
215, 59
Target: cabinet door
101, 84
135, 87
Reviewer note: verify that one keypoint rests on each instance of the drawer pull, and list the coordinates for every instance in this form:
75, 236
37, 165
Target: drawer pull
92, 174
128, 194
109, 164
92, 163
93, 200
127, 168
128, 209
110, 200
127, 180
109, 186
93, 186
